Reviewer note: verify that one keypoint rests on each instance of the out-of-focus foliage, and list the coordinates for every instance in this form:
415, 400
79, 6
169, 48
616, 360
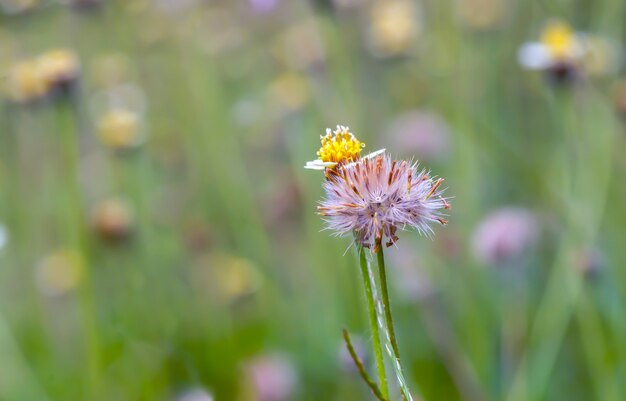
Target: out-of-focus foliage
158, 236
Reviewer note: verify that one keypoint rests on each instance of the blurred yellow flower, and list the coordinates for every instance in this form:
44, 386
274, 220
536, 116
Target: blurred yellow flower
482, 14
394, 27
225, 277
113, 219
59, 272
26, 82
291, 91
559, 38
119, 129
59, 66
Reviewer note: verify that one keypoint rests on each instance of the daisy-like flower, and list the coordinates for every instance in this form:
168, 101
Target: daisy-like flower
558, 46
565, 53
338, 147
373, 198
59, 66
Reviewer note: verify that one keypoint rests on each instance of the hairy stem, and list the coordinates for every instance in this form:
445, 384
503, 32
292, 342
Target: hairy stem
380, 256
371, 309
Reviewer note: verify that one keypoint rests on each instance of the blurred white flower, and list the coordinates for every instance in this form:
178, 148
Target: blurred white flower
566, 52
4, 236
196, 394
558, 44
504, 235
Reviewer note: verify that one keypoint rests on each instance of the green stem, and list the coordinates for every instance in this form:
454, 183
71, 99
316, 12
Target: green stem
380, 256
371, 308
67, 116
359, 365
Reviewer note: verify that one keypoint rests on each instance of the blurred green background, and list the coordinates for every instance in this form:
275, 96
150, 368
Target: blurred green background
158, 235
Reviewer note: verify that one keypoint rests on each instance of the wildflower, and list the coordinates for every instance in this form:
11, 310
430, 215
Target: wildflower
482, 15
59, 272
290, 92
119, 129
4, 236
272, 377
263, 6
394, 26
195, 394
374, 197
60, 68
26, 82
504, 235
17, 6
113, 220
338, 147
422, 133
560, 52
225, 278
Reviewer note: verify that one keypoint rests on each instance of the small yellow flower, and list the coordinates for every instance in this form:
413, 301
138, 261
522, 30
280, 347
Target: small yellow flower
26, 82
60, 272
559, 39
394, 27
59, 66
338, 147
119, 129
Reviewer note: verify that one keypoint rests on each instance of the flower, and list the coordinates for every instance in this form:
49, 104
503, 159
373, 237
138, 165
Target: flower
394, 27
59, 272
195, 394
17, 6
338, 147
504, 235
559, 46
420, 132
272, 377
113, 219
119, 129
482, 15
374, 197
26, 83
4, 236
59, 67
567, 54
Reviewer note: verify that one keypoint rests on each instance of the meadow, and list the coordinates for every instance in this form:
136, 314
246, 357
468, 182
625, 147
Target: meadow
159, 237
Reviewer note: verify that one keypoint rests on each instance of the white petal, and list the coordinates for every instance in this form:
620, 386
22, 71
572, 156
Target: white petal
373, 154
319, 165
534, 56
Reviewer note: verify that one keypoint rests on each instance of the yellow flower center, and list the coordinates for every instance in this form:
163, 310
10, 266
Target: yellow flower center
340, 146
559, 38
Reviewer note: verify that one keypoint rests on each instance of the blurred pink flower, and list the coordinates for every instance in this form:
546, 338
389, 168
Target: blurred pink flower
263, 6
422, 133
504, 235
272, 376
